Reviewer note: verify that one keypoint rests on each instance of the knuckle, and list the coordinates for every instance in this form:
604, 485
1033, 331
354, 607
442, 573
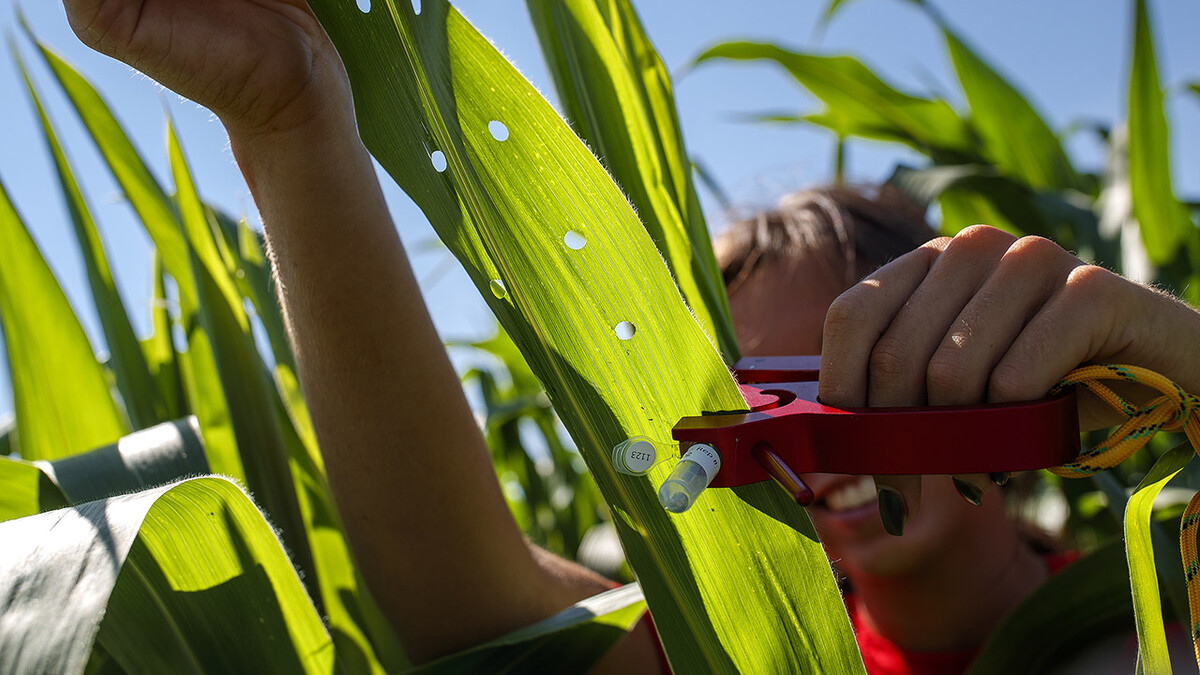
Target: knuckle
1088, 279
1008, 383
982, 235
946, 376
889, 359
844, 314
1036, 249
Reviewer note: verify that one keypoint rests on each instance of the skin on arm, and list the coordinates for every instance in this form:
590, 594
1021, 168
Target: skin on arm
407, 463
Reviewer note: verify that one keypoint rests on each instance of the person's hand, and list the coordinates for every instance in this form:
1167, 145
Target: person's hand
986, 317
263, 66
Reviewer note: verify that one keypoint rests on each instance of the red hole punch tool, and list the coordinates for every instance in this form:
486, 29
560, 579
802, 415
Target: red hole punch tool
787, 432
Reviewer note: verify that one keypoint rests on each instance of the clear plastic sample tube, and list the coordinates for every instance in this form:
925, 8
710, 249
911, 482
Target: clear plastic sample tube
691, 475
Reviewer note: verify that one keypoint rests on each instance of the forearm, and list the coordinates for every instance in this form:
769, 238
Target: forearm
408, 466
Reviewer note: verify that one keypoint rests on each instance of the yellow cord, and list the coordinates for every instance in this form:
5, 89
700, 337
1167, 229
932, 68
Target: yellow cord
1175, 408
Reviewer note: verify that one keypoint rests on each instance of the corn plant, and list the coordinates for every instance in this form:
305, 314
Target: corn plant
573, 276
999, 162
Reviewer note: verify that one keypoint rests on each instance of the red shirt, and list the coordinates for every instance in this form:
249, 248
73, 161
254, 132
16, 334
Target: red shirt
883, 657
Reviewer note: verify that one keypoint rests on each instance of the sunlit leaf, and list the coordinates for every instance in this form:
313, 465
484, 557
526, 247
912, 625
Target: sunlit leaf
1163, 220
1015, 136
503, 207
26, 490
860, 103
1147, 604
624, 109
142, 402
568, 642
60, 392
184, 578
240, 373
144, 193
161, 357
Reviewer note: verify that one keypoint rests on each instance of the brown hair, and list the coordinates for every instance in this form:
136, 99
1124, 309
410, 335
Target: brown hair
854, 229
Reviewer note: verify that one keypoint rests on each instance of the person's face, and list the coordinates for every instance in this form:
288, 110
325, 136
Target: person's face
780, 310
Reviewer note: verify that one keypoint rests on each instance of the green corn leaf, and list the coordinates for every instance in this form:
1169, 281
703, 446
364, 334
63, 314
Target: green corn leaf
739, 582
860, 103
1153, 653
184, 578
568, 642
282, 469
1082, 605
1163, 220
1014, 135
241, 377
142, 403
61, 394
8, 432
26, 490
144, 193
624, 109
161, 358
148, 458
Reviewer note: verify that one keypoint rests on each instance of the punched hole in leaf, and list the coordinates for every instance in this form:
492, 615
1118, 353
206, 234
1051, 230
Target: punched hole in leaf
416, 6
498, 289
574, 240
625, 330
364, 6
439, 160
498, 130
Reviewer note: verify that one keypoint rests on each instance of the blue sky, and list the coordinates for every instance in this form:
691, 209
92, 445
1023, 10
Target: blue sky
1070, 57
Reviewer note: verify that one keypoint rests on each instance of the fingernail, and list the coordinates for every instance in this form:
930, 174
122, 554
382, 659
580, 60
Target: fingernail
892, 510
1000, 478
969, 492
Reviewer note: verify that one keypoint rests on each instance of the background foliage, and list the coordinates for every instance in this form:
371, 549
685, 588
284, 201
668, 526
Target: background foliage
213, 295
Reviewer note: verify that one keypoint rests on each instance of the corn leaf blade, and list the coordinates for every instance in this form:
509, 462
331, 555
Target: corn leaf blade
144, 193
860, 103
48, 349
26, 490
1153, 653
1164, 221
624, 109
503, 206
569, 641
1015, 136
138, 392
188, 578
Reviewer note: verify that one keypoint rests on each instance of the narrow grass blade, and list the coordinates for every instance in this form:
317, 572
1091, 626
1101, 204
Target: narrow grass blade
568, 642
618, 95
187, 578
1014, 135
142, 403
239, 369
1163, 219
144, 193
61, 394
26, 490
859, 103
1153, 653
738, 583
